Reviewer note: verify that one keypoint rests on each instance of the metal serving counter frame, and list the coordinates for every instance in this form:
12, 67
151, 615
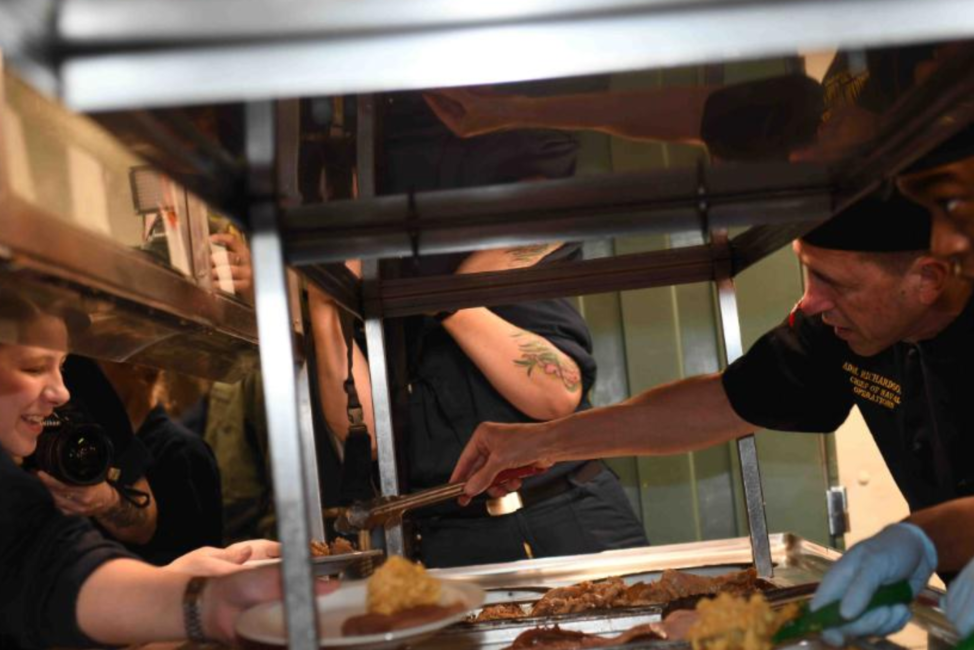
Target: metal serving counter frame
134, 54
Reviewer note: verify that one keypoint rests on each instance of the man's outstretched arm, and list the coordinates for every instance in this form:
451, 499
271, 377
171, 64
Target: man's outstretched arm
674, 418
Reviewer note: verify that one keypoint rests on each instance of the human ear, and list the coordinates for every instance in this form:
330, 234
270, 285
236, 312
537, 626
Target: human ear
933, 274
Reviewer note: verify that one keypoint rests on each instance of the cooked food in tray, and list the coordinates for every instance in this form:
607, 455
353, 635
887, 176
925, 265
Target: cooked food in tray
614, 592
400, 595
738, 623
727, 622
338, 546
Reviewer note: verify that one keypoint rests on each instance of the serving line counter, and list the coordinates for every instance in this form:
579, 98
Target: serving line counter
799, 566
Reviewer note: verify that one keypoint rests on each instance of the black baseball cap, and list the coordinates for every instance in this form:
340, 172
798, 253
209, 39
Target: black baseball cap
875, 225
955, 148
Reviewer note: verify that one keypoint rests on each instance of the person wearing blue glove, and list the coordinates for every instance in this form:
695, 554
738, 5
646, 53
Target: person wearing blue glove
959, 602
899, 552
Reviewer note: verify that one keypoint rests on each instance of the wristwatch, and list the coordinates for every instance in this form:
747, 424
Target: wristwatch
192, 616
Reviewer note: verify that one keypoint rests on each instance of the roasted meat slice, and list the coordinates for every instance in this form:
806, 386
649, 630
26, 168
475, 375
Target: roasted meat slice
499, 612
555, 638
584, 596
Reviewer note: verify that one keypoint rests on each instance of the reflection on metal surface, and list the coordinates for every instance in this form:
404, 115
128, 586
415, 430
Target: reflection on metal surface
120, 330
400, 49
567, 209
83, 241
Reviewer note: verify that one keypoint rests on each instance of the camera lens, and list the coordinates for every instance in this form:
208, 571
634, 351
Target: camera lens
77, 455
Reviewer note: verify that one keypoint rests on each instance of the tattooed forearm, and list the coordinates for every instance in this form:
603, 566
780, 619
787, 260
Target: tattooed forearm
124, 514
530, 253
539, 354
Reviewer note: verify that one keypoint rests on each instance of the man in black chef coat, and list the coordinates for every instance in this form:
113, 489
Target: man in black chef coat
882, 325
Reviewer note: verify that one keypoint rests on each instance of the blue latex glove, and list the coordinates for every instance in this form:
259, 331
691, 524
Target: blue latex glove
959, 602
898, 552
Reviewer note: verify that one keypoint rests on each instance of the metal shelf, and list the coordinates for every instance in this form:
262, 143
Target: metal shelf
131, 55
112, 54
140, 309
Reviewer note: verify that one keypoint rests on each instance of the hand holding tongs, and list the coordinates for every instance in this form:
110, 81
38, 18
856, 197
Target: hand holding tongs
809, 622
388, 510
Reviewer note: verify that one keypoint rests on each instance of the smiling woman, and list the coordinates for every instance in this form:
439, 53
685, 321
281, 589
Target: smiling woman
30, 376
63, 584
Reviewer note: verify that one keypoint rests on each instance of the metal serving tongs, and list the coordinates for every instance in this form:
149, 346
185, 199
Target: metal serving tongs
808, 622
387, 511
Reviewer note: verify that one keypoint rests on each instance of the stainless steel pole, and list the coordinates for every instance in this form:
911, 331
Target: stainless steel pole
746, 446
278, 374
374, 335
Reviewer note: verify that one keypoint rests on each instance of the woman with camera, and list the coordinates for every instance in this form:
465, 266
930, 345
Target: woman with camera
61, 582
105, 476
164, 499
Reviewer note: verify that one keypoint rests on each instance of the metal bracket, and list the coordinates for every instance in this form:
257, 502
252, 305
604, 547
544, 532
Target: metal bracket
703, 204
412, 224
837, 504
746, 446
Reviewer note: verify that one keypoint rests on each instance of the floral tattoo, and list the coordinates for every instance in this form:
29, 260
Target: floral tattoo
528, 253
541, 355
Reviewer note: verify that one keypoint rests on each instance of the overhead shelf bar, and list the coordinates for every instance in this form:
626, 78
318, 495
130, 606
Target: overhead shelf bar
559, 210
411, 296
151, 53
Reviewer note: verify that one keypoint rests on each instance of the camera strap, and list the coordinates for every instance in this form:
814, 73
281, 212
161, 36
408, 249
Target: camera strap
356, 414
129, 494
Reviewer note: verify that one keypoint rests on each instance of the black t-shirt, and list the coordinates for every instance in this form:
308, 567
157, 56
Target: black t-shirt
185, 480
914, 398
450, 396
45, 557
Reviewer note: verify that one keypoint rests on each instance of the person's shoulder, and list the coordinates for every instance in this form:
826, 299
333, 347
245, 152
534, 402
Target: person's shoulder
162, 432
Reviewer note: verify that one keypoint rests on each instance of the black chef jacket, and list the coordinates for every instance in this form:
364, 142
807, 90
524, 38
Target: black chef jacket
45, 557
450, 396
915, 398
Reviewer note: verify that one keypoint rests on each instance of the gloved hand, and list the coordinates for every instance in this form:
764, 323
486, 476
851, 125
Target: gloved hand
899, 552
959, 601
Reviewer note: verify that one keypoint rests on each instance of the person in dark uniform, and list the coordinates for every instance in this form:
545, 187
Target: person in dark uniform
177, 470
515, 363
182, 470
882, 325
941, 536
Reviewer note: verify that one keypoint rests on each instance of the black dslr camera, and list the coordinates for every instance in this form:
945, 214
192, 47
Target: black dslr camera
72, 448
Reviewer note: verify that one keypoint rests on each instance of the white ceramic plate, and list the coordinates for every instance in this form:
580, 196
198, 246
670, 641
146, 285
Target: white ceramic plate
326, 565
265, 623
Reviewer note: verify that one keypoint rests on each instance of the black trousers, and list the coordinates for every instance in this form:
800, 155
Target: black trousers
587, 518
